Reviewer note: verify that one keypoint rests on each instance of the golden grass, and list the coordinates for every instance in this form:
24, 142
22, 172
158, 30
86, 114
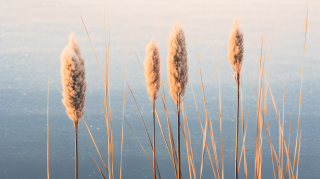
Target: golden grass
94, 142
220, 117
205, 107
202, 131
262, 116
99, 168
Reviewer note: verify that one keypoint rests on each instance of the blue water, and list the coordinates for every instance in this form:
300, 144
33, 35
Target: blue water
33, 33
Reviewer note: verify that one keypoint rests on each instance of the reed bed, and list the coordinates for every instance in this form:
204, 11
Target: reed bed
73, 75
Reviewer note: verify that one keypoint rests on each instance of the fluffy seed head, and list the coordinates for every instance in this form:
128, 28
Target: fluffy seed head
152, 66
177, 63
235, 48
73, 79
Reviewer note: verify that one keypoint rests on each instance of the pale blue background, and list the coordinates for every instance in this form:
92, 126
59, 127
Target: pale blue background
34, 32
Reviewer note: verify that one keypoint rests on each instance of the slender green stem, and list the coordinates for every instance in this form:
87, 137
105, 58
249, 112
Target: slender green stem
76, 147
236, 151
154, 141
178, 137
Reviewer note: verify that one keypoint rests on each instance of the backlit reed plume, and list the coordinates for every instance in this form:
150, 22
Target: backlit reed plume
177, 64
152, 66
235, 55
74, 86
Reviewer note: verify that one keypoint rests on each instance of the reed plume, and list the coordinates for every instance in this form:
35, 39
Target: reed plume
152, 66
235, 48
177, 64
235, 55
74, 86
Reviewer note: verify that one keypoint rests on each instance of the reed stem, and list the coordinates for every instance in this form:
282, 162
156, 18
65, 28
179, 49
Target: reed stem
154, 140
236, 152
76, 148
178, 137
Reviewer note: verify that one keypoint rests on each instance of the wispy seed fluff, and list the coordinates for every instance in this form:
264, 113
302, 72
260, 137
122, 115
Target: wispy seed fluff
73, 79
177, 62
152, 66
235, 49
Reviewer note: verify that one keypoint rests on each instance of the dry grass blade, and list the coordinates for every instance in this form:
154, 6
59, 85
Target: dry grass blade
210, 158
93, 50
220, 117
214, 149
186, 140
124, 104
94, 142
191, 148
48, 175
258, 117
164, 138
106, 91
187, 137
282, 140
205, 106
106, 84
195, 102
99, 168
145, 125
291, 168
122, 144
138, 61
56, 87
304, 51
243, 150
281, 133
138, 141
298, 156
287, 166
140, 116
142, 39
111, 132
262, 113
203, 148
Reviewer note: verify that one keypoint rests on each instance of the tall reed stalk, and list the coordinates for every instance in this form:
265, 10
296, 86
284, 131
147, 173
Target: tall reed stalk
152, 67
235, 55
74, 86
48, 171
177, 65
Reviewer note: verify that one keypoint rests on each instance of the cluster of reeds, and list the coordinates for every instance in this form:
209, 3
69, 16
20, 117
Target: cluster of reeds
74, 89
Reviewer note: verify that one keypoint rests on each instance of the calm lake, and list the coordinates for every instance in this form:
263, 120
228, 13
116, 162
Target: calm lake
33, 33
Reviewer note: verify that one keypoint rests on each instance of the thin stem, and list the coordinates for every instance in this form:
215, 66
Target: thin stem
48, 173
178, 137
236, 155
154, 141
76, 148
